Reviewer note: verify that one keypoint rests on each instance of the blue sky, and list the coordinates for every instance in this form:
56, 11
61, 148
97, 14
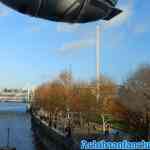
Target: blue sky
34, 50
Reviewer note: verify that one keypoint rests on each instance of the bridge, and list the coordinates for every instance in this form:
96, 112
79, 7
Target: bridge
13, 99
19, 96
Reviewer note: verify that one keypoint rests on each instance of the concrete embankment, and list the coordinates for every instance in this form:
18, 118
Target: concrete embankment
51, 139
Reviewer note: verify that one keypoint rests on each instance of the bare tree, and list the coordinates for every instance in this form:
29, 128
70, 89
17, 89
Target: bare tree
135, 95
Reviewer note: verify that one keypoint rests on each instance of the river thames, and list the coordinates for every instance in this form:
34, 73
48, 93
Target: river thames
14, 116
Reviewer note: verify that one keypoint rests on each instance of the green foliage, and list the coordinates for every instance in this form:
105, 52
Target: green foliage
122, 125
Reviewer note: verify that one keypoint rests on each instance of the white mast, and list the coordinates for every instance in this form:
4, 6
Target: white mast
98, 62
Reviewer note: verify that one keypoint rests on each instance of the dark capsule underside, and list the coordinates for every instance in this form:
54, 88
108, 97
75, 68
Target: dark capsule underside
81, 11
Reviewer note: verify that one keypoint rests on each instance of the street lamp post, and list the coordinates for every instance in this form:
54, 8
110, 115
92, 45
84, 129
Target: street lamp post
28, 98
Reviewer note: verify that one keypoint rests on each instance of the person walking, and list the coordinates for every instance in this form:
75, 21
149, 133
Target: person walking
107, 129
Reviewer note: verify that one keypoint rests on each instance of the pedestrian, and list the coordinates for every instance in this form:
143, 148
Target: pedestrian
107, 130
68, 131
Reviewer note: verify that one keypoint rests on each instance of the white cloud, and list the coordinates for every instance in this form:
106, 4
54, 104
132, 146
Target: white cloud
76, 45
141, 28
3, 13
65, 27
35, 29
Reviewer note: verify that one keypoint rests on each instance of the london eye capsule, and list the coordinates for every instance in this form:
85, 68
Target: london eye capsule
71, 11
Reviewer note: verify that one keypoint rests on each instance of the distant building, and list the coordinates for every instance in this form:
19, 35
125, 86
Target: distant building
13, 94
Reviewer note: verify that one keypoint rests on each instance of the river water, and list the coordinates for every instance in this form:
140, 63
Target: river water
14, 116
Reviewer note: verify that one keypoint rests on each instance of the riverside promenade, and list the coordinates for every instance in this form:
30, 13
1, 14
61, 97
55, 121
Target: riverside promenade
51, 137
54, 137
